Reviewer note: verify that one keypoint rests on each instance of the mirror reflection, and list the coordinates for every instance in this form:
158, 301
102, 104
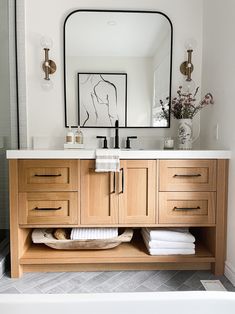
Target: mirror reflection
117, 66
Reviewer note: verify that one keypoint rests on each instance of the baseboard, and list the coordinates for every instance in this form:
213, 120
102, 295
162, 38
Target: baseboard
4, 251
230, 272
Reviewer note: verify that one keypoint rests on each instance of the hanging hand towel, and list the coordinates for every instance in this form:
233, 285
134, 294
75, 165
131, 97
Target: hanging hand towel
170, 234
107, 160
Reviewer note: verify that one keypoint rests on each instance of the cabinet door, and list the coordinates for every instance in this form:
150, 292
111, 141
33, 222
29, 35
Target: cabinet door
137, 191
99, 201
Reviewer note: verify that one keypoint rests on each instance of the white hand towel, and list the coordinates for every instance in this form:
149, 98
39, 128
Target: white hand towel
170, 234
171, 251
156, 244
93, 233
107, 160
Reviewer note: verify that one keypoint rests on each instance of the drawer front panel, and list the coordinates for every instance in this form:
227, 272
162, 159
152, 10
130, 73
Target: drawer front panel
187, 207
188, 175
48, 175
48, 208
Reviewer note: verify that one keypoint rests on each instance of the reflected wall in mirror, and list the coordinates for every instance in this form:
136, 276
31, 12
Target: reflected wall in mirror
135, 43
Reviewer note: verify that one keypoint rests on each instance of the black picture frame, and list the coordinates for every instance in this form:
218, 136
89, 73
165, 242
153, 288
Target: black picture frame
99, 101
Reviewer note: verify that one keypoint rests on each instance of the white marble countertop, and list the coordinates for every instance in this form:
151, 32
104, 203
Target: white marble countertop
124, 154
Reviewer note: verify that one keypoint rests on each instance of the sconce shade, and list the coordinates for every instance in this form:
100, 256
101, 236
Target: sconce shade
46, 42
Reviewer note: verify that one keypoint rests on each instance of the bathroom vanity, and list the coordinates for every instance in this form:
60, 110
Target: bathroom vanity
154, 188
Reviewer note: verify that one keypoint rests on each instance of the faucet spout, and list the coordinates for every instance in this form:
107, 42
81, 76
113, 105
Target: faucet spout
116, 142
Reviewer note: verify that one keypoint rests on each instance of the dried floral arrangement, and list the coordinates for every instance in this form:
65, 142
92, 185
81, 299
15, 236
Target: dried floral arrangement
184, 106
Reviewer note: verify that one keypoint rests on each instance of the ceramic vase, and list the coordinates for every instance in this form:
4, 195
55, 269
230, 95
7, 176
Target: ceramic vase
185, 133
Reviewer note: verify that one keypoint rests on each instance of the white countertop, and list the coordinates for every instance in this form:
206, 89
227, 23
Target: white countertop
124, 154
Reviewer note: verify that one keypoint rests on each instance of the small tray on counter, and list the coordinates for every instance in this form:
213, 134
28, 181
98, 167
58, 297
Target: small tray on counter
45, 236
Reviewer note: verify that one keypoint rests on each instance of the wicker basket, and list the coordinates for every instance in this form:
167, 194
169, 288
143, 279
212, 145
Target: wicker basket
46, 237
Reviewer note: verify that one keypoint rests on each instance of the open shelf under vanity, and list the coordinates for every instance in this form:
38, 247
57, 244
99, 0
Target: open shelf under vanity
133, 255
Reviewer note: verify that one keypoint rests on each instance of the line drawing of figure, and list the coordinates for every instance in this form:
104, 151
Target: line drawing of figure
98, 98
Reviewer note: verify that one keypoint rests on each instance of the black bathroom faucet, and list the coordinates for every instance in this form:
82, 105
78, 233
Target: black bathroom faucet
116, 141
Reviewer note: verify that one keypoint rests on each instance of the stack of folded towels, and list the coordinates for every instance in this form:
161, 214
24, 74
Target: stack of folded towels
93, 233
168, 241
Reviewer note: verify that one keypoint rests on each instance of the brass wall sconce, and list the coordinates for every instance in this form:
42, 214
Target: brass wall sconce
187, 67
48, 66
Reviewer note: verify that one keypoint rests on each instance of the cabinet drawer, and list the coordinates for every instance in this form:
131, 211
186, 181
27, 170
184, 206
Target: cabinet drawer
188, 175
187, 207
48, 175
48, 208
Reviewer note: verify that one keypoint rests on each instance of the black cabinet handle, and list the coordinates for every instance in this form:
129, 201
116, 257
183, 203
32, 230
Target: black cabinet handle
187, 175
114, 183
47, 208
123, 181
186, 208
48, 175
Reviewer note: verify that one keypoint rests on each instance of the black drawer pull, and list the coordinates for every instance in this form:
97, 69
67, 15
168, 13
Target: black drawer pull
186, 208
48, 175
187, 175
47, 208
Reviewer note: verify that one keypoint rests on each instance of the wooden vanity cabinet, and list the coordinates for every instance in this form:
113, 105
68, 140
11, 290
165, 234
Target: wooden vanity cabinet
127, 197
154, 193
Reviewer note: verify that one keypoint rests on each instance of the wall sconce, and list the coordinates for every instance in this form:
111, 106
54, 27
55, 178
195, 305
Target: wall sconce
187, 67
48, 66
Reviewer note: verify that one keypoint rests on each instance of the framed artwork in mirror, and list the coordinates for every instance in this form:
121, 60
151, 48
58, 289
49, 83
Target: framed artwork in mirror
102, 99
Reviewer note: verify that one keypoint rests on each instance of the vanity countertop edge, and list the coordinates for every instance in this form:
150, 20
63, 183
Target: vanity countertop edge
124, 154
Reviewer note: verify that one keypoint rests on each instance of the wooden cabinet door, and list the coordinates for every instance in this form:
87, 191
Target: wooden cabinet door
99, 200
137, 191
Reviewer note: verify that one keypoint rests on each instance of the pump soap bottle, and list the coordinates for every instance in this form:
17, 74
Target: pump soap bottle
79, 136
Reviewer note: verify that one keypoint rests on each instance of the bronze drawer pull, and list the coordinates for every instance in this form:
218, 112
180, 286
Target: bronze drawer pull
123, 181
48, 175
114, 183
47, 208
186, 208
187, 175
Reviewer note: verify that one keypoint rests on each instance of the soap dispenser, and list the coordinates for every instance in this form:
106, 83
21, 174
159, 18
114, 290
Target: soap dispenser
70, 136
79, 136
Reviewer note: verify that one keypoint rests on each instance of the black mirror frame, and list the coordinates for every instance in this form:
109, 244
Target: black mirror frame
171, 54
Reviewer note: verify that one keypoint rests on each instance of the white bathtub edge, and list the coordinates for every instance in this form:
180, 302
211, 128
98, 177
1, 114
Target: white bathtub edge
230, 272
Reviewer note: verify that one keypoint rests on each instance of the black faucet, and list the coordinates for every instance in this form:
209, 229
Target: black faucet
116, 141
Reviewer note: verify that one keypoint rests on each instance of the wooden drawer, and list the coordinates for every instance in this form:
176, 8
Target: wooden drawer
48, 208
188, 175
48, 175
187, 207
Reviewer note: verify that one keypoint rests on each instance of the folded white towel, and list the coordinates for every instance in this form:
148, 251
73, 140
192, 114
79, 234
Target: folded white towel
170, 234
107, 160
156, 244
93, 233
171, 251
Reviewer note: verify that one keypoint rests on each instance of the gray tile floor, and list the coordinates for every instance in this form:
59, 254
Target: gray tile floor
118, 281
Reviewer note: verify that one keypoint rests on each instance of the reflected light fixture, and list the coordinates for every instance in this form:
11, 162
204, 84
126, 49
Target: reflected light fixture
187, 67
48, 66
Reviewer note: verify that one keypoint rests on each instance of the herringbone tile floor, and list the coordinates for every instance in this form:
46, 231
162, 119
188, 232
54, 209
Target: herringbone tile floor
118, 281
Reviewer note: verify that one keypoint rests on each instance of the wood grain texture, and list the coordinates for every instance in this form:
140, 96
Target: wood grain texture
199, 207
30, 204
99, 205
137, 202
118, 266
187, 175
48, 175
221, 216
19, 238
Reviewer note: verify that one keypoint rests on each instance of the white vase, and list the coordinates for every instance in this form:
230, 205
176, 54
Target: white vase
185, 133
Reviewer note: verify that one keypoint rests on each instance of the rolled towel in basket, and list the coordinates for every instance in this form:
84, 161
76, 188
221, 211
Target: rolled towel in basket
93, 233
169, 234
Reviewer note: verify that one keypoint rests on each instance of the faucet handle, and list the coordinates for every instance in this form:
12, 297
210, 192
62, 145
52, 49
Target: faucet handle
105, 140
128, 143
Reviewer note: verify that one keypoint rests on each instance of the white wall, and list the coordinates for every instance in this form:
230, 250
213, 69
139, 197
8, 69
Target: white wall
45, 110
219, 78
